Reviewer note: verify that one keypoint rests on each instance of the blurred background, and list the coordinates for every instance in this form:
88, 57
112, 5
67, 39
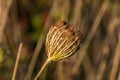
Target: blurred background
28, 21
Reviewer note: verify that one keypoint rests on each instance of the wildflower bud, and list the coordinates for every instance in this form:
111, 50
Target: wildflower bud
62, 41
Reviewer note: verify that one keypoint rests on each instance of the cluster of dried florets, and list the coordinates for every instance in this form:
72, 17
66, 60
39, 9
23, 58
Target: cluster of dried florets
62, 40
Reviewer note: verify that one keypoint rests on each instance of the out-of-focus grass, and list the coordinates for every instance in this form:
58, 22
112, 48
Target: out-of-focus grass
29, 20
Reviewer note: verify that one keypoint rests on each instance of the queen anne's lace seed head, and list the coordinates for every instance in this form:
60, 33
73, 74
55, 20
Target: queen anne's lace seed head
62, 40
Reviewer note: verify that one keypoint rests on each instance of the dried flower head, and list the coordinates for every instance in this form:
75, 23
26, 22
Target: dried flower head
62, 40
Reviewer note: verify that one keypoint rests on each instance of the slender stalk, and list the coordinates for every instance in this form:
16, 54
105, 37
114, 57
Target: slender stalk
17, 60
43, 67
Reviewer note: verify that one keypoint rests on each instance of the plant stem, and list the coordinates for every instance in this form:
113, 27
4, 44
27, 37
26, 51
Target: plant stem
17, 61
47, 61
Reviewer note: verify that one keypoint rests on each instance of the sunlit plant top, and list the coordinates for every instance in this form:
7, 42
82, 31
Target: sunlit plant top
62, 41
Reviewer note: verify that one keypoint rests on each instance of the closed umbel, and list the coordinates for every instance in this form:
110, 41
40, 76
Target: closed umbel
62, 41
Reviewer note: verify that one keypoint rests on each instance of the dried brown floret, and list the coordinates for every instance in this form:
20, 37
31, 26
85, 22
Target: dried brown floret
62, 40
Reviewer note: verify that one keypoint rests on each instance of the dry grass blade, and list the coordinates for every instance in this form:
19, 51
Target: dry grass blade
118, 76
77, 12
60, 72
89, 70
38, 47
65, 9
101, 70
116, 61
17, 61
90, 35
105, 48
34, 58
4, 8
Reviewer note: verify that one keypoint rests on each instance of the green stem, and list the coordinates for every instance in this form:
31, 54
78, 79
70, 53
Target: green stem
47, 61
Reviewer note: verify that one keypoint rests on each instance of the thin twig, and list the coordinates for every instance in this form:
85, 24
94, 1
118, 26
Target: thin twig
43, 67
90, 36
17, 61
